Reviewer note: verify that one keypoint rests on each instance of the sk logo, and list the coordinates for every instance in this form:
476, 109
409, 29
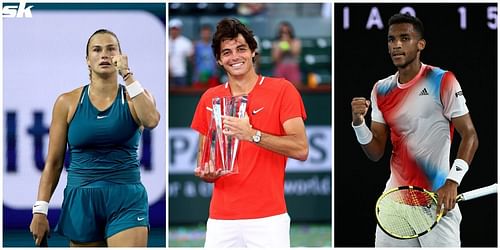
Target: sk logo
17, 11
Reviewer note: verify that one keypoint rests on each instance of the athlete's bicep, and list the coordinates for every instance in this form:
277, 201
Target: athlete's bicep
469, 140
58, 132
150, 96
296, 132
295, 126
463, 124
379, 131
375, 149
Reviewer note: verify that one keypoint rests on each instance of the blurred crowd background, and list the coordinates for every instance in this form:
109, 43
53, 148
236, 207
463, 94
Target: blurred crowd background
288, 46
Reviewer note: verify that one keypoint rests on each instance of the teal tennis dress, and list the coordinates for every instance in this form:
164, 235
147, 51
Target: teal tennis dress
104, 194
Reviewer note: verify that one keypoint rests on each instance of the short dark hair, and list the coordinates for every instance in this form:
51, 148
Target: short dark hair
229, 28
407, 18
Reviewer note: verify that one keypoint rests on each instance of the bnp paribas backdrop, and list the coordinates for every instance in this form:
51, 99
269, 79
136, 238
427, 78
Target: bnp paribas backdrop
461, 38
43, 57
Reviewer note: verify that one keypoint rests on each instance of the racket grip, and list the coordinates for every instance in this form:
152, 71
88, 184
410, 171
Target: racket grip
478, 192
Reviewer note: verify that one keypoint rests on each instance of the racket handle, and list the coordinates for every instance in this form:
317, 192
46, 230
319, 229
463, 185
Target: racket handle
478, 192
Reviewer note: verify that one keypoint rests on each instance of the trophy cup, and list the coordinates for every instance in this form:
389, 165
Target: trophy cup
221, 149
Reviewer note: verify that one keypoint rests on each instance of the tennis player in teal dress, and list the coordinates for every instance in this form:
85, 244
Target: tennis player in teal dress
105, 203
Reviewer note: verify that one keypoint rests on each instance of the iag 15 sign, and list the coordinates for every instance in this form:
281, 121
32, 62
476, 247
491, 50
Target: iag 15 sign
460, 14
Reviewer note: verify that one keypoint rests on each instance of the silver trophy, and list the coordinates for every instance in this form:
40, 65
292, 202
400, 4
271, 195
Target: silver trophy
221, 149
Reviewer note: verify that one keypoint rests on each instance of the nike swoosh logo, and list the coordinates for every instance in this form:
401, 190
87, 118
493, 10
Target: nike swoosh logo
140, 218
101, 117
255, 111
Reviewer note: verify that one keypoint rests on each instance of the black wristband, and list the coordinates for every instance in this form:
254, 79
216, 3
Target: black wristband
120, 72
126, 76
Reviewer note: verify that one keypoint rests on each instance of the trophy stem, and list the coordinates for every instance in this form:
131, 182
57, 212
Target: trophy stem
212, 147
241, 114
218, 124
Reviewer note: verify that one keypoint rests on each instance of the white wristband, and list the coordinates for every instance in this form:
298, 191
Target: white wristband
41, 207
363, 133
134, 89
458, 170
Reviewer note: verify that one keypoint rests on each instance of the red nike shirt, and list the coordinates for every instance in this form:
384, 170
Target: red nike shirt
258, 189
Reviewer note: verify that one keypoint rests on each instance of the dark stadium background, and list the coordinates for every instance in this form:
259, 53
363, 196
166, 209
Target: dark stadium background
361, 59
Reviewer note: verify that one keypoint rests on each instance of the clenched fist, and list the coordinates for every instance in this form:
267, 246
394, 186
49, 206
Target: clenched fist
121, 63
359, 107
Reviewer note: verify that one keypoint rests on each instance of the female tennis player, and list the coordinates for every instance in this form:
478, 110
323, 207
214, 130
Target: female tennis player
105, 203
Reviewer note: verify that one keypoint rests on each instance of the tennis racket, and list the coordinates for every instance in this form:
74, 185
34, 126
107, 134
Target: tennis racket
409, 212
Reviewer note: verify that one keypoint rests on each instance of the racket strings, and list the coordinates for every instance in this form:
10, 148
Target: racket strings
406, 213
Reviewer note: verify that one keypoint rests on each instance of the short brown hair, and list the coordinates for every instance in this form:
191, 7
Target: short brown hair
229, 28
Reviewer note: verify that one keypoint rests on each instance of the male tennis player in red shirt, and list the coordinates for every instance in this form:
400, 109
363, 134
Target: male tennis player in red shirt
248, 209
